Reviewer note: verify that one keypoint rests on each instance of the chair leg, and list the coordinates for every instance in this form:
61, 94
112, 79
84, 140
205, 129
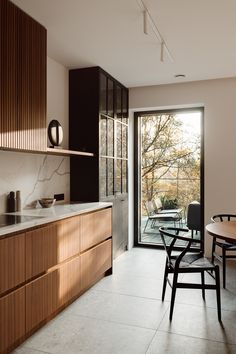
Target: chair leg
175, 278
203, 284
224, 267
213, 250
192, 233
145, 226
164, 282
217, 276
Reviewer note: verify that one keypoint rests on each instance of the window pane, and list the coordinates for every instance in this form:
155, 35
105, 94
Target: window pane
102, 178
124, 177
103, 136
110, 137
119, 139
110, 176
124, 141
118, 176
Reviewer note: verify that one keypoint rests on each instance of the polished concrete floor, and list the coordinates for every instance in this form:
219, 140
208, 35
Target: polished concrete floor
124, 314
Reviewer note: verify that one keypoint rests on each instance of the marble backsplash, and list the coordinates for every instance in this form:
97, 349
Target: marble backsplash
36, 176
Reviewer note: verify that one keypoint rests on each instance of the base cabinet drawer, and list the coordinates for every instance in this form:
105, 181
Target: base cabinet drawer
47, 294
41, 299
95, 262
95, 228
12, 262
50, 245
12, 319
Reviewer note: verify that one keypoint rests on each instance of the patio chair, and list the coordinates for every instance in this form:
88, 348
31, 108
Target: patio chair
186, 263
162, 216
194, 217
225, 246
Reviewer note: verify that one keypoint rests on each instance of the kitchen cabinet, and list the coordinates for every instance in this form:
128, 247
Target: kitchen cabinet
95, 228
47, 294
12, 320
95, 262
44, 269
52, 244
23, 80
12, 262
98, 122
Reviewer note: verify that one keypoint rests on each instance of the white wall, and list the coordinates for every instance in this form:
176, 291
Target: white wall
35, 175
219, 100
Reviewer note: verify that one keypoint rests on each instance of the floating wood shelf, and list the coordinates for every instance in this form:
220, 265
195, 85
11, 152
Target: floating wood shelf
55, 151
50, 151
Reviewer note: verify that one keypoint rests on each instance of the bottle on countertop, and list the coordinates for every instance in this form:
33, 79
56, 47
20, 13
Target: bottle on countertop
11, 202
18, 201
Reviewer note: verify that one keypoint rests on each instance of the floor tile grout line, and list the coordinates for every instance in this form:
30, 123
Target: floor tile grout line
36, 350
166, 301
136, 296
110, 321
151, 342
200, 338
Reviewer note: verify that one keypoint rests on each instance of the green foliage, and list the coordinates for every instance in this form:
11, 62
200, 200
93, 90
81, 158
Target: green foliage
169, 203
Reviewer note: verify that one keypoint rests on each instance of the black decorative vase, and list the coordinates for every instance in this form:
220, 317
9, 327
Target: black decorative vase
55, 133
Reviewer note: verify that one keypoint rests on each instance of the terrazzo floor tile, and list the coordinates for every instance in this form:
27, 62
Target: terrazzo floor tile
169, 343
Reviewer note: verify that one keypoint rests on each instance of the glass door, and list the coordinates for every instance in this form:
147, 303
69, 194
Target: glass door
168, 173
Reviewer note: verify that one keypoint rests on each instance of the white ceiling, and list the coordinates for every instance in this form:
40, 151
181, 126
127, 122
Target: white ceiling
201, 36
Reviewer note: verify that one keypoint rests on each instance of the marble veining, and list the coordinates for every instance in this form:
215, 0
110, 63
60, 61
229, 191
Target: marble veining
36, 176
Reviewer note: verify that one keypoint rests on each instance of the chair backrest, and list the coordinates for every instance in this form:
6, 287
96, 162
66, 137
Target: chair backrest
169, 236
223, 217
157, 204
194, 216
150, 207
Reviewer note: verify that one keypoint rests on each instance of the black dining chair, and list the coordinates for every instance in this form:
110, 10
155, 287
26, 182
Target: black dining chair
184, 262
225, 246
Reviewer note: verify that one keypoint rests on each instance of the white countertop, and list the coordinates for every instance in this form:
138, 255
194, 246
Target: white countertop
55, 213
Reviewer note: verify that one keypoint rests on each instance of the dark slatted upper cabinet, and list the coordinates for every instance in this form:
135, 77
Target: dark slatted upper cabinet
98, 123
23, 80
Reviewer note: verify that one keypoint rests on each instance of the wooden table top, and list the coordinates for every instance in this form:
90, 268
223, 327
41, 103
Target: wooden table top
225, 230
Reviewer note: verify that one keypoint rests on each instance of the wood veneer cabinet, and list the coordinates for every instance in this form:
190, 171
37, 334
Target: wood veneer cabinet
98, 122
12, 262
50, 245
95, 262
45, 269
95, 228
23, 80
12, 320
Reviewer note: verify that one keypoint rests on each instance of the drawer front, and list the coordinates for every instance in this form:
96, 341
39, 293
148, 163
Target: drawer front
69, 281
12, 319
12, 262
95, 227
95, 262
52, 244
48, 293
41, 299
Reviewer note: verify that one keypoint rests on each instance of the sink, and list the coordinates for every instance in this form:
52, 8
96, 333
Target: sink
7, 219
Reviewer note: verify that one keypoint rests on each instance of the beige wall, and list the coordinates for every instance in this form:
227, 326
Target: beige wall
218, 97
57, 96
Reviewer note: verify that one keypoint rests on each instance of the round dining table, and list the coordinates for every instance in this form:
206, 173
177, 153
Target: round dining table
225, 230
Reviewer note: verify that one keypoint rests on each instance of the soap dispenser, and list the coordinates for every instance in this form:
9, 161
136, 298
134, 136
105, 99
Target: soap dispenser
11, 202
18, 201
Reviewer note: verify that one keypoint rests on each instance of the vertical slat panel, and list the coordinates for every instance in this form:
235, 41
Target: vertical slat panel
12, 319
8, 67
23, 80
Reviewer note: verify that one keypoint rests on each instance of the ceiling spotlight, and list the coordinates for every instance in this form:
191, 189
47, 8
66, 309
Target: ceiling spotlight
180, 75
